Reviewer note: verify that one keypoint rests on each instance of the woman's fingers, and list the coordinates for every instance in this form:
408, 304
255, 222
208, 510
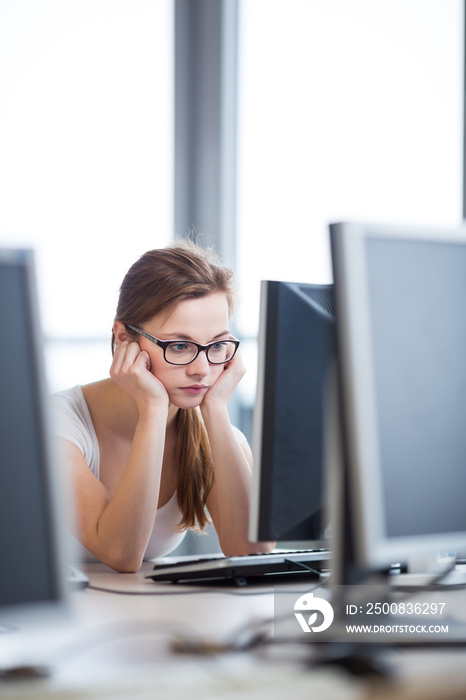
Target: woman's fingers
131, 371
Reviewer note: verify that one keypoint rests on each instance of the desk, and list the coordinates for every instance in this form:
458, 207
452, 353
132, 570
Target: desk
119, 645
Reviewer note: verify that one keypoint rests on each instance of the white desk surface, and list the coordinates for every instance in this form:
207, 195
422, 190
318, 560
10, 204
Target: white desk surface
119, 645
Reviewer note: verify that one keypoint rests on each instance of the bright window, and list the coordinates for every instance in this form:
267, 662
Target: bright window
86, 171
348, 110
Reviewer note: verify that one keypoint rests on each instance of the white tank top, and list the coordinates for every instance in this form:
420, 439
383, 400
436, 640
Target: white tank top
72, 421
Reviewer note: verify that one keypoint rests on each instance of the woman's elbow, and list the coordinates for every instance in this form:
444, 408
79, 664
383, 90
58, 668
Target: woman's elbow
127, 567
122, 562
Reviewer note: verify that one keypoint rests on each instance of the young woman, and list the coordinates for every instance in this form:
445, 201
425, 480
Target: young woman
152, 448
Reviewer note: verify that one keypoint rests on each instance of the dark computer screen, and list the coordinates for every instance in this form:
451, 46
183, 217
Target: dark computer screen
29, 549
295, 345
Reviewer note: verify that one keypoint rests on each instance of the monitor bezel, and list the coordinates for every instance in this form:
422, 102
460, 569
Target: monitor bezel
258, 417
374, 549
58, 606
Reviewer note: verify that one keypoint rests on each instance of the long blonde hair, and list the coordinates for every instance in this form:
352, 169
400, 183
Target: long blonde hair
155, 284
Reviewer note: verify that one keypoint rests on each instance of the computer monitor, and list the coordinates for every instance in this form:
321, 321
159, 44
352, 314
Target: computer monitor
32, 552
295, 345
400, 298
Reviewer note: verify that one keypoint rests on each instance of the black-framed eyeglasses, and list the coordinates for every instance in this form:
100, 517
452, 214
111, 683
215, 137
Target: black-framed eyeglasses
183, 352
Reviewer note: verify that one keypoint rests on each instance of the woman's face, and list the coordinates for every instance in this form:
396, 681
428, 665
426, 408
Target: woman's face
203, 321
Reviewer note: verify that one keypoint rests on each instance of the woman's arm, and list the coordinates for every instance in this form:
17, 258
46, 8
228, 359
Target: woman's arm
116, 527
228, 501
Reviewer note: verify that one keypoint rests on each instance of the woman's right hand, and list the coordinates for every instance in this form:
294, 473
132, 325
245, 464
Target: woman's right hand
131, 370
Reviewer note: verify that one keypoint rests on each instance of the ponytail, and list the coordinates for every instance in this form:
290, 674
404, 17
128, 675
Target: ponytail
196, 474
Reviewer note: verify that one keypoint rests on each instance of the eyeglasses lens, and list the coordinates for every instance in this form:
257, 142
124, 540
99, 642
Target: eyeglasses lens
184, 352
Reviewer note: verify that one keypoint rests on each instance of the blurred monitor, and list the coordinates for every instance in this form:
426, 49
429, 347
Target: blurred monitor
32, 583
400, 298
296, 343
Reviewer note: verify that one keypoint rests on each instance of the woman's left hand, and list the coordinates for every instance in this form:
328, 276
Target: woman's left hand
221, 391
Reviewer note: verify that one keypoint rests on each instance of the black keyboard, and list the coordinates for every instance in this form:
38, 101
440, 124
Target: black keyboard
273, 567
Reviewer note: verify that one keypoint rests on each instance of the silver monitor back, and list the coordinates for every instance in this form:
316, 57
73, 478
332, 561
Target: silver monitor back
401, 349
